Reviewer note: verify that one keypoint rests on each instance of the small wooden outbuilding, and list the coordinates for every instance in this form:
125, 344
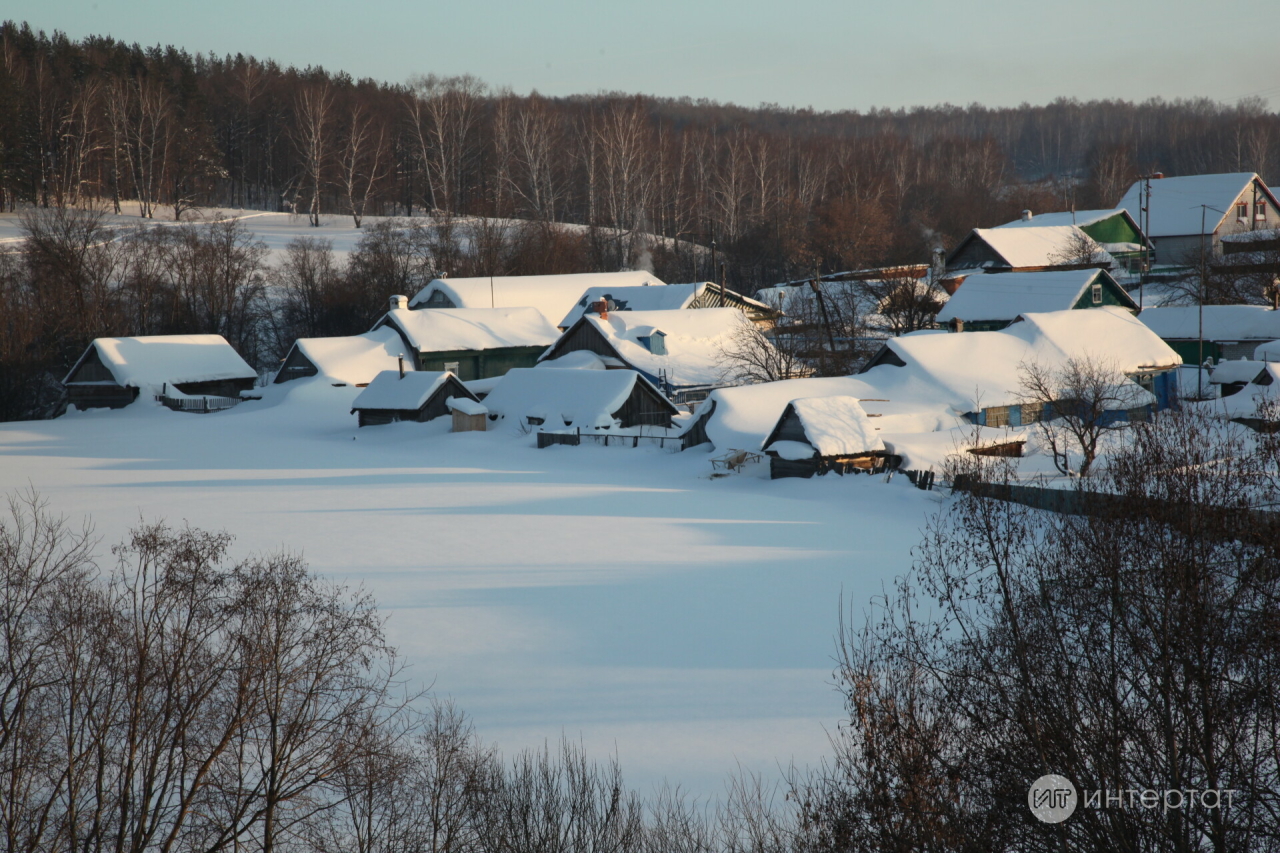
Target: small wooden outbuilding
820, 434
113, 372
411, 396
469, 415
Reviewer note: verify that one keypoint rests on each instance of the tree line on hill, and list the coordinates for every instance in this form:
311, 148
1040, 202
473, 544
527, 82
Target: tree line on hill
178, 700
777, 190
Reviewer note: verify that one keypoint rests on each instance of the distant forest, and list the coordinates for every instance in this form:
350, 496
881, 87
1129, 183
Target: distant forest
777, 189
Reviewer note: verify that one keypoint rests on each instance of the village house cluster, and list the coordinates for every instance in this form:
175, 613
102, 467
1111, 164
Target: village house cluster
624, 358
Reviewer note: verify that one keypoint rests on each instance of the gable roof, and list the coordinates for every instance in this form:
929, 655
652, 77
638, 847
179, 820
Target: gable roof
563, 398
670, 297
1078, 218
1003, 296
390, 390
1035, 245
983, 368
448, 329
355, 359
834, 426
1221, 322
695, 341
1174, 208
553, 295
174, 359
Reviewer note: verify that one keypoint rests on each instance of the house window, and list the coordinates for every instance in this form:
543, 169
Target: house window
1097, 294
1259, 210
997, 416
451, 367
1242, 210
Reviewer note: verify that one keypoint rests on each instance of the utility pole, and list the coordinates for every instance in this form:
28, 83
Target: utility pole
822, 307
713, 258
1200, 362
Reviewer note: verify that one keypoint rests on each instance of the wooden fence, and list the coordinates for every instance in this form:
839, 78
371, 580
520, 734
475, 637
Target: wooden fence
198, 405
576, 438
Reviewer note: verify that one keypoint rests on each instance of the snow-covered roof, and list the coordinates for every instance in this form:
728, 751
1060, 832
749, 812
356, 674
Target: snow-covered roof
1003, 296
836, 425
1262, 235
669, 297
159, 359
1078, 217
1245, 403
446, 329
466, 405
1221, 322
1175, 203
1041, 245
553, 295
1270, 351
972, 370
1235, 370
355, 359
694, 341
390, 390
562, 398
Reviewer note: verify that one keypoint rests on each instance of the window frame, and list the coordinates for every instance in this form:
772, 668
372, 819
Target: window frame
1096, 293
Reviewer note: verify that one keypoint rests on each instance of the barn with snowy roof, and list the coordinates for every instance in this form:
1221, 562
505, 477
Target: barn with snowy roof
985, 303
1215, 333
113, 372
1194, 212
471, 343
552, 295
1115, 230
552, 399
980, 374
345, 360
1042, 247
681, 352
419, 396
820, 434
671, 297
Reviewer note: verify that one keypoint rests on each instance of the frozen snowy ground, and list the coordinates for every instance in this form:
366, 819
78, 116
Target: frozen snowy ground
619, 596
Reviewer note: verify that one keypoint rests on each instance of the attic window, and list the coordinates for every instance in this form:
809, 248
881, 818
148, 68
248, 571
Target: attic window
1259, 210
1242, 210
1097, 294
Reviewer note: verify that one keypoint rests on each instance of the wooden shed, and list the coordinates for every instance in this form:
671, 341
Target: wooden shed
557, 399
468, 415
412, 396
820, 434
113, 372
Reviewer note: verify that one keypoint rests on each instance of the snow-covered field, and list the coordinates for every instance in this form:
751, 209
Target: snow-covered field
616, 595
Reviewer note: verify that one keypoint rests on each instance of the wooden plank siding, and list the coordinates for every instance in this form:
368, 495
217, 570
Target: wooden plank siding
645, 406
582, 336
434, 407
295, 366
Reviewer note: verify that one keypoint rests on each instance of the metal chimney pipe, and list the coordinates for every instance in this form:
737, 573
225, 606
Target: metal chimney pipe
402, 366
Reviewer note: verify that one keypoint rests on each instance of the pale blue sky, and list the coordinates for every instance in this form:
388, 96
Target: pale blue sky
821, 53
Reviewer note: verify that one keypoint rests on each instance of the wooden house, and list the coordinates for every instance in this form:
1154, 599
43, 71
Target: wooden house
820, 434
113, 372
670, 297
1220, 332
1029, 249
471, 343
546, 398
979, 375
1115, 230
346, 360
552, 295
419, 396
681, 352
985, 303
1190, 214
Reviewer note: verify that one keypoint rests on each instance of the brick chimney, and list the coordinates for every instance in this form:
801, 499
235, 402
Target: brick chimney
601, 307
399, 302
1026, 216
